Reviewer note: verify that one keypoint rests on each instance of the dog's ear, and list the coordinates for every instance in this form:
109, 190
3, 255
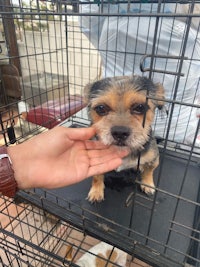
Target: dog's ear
86, 92
160, 96
91, 90
96, 88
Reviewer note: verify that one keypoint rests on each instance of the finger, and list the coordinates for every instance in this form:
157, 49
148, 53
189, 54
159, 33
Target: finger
101, 155
94, 144
104, 167
80, 133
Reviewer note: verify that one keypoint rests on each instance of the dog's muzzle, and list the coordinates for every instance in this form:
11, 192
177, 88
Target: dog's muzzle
120, 134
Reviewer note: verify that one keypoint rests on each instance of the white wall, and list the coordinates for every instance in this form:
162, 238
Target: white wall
51, 51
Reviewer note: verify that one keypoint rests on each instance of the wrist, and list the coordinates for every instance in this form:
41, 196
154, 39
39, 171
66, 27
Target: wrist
18, 164
22, 165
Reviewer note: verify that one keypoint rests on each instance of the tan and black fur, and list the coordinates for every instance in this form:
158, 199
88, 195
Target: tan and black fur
122, 111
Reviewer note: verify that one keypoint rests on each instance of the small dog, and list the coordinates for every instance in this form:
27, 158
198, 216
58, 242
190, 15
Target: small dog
122, 111
100, 255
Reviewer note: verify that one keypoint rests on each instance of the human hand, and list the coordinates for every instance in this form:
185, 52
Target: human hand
62, 156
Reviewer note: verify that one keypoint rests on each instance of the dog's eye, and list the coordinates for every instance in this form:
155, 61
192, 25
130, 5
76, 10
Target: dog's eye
102, 110
138, 108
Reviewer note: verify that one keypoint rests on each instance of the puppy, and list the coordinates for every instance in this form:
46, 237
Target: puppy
100, 255
122, 111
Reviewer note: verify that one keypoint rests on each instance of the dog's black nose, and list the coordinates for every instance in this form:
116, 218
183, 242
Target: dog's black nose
120, 133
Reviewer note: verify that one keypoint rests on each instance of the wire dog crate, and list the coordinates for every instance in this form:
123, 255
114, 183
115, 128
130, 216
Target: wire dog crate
49, 50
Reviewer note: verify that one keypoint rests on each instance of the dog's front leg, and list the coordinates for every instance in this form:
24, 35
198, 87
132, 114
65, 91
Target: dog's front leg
147, 185
96, 193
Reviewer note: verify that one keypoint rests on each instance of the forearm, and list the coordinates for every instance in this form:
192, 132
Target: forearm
8, 184
14, 168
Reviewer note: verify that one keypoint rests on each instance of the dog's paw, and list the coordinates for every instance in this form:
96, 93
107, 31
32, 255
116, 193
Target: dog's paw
95, 195
148, 189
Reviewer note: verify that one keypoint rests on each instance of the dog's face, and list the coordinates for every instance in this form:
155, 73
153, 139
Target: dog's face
122, 109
